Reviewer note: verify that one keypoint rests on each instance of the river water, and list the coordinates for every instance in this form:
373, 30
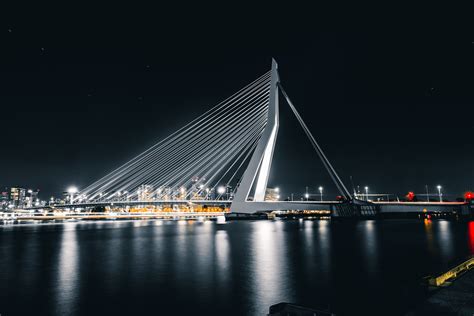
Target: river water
159, 267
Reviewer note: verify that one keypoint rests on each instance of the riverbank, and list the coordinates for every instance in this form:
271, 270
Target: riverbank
452, 297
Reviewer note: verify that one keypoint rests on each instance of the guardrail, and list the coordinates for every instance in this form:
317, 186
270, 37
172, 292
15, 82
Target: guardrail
451, 274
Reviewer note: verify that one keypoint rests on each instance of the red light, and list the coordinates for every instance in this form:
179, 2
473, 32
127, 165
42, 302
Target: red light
410, 196
471, 236
468, 195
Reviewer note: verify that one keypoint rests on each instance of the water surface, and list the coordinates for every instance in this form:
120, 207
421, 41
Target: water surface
239, 268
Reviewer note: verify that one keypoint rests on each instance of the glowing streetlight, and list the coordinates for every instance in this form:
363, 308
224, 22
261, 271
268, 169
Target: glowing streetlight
366, 193
321, 193
439, 193
221, 190
306, 195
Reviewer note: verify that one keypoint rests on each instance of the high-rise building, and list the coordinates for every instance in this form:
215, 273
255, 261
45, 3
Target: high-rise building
4, 199
17, 196
31, 198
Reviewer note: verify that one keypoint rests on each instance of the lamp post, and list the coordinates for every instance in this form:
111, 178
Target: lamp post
321, 193
439, 193
306, 195
367, 193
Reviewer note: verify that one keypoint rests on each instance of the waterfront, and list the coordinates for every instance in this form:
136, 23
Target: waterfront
238, 268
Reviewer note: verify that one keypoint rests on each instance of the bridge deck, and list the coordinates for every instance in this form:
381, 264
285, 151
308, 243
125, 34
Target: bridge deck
117, 215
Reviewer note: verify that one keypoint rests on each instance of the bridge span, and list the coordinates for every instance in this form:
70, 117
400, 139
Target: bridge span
258, 206
223, 158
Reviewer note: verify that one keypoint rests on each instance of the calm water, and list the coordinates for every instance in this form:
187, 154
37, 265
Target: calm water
239, 268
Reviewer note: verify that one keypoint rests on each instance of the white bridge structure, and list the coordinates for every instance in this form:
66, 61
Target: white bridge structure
222, 157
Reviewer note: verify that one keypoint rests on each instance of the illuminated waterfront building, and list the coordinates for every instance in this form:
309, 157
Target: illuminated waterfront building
272, 194
17, 196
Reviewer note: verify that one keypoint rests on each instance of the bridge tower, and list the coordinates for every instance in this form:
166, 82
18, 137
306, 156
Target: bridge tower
258, 170
255, 177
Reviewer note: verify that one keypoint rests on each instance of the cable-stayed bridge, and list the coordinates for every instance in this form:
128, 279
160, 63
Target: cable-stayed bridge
223, 157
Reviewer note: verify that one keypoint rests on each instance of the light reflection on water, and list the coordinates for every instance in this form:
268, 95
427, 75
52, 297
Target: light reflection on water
222, 253
324, 249
471, 236
67, 270
428, 224
268, 264
243, 267
445, 240
369, 241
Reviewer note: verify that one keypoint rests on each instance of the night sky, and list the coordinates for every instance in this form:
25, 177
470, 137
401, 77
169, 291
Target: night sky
391, 107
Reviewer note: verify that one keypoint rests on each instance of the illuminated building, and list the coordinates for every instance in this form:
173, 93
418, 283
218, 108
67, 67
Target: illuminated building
17, 196
272, 194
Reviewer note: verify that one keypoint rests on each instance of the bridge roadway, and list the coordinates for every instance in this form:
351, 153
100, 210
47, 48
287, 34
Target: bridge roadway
259, 206
110, 215
462, 208
334, 206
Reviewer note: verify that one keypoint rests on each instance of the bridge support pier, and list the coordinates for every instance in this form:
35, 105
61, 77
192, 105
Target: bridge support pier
355, 208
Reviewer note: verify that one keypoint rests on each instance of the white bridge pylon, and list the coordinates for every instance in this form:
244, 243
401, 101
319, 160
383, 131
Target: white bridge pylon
256, 175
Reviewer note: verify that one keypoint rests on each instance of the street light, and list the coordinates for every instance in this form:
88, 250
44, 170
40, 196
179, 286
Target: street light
306, 195
221, 190
366, 193
321, 193
439, 193
71, 190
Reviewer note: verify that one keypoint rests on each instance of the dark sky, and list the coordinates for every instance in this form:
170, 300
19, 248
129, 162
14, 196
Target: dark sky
392, 107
